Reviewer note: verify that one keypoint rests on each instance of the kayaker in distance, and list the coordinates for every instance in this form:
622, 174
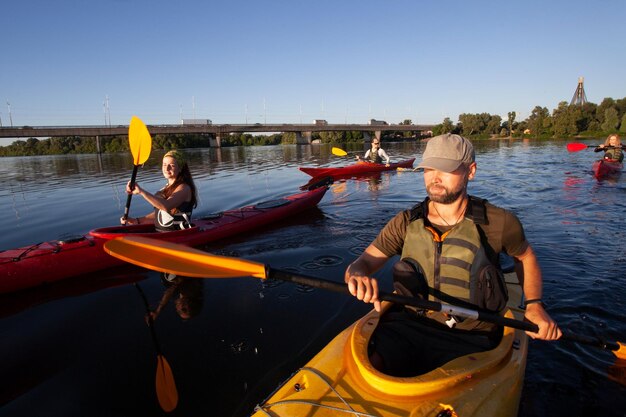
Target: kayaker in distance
174, 203
376, 154
612, 147
450, 245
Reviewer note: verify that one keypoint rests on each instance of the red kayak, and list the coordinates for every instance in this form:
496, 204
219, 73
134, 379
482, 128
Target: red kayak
360, 167
603, 168
55, 260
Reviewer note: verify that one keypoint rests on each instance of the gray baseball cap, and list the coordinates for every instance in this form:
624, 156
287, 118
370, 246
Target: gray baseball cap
447, 152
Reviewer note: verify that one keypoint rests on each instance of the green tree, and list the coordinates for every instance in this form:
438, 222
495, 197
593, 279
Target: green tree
538, 121
493, 125
611, 120
564, 120
511, 119
471, 123
607, 103
622, 127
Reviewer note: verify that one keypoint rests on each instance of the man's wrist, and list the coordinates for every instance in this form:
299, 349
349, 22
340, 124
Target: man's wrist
534, 301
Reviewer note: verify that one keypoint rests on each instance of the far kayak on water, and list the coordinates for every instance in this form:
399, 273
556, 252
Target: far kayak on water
604, 168
54, 260
340, 380
360, 167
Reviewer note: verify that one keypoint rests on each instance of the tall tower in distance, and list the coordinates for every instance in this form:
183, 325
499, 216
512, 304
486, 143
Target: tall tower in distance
580, 97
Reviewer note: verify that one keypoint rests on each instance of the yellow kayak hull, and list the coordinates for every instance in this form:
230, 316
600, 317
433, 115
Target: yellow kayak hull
340, 380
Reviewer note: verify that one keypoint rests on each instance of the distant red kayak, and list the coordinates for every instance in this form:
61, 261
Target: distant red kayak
360, 167
54, 260
603, 168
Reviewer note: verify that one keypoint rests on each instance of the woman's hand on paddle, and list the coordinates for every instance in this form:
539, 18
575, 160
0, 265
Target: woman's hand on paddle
135, 190
548, 329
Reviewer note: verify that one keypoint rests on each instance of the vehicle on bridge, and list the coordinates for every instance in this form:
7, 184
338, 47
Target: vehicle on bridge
378, 122
196, 122
320, 122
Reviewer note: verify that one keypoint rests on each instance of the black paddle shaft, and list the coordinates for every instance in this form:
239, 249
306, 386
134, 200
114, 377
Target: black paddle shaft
435, 306
130, 196
404, 300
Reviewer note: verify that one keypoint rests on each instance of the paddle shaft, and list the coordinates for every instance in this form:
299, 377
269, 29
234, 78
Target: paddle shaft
130, 196
401, 299
436, 306
157, 347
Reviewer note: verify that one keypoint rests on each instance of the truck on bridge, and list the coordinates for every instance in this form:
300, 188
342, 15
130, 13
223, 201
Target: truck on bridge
196, 122
378, 122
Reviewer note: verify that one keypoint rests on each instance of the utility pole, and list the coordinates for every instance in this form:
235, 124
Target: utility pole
10, 116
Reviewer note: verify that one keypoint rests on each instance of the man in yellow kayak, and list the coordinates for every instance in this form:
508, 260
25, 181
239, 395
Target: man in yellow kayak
449, 246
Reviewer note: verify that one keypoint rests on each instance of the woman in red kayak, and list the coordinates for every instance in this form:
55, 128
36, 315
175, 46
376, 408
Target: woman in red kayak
612, 147
172, 204
376, 154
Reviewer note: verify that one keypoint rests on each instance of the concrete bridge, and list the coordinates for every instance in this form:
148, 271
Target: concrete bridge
214, 132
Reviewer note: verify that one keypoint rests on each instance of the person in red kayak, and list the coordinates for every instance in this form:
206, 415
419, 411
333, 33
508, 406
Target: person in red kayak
174, 203
449, 247
376, 154
612, 147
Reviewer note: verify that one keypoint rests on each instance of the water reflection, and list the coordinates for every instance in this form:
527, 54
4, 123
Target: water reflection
187, 293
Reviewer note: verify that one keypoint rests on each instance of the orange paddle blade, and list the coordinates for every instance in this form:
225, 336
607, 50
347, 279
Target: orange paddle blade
167, 394
139, 140
180, 260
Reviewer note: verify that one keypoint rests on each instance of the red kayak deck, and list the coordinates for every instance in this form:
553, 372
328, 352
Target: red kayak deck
360, 167
603, 168
51, 261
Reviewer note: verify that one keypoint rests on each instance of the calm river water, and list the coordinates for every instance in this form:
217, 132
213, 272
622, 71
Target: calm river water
82, 348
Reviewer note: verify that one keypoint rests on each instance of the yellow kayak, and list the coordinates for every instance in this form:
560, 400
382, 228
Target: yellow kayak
340, 380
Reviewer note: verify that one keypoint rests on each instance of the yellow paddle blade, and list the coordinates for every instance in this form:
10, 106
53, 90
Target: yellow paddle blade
180, 260
338, 152
167, 394
139, 140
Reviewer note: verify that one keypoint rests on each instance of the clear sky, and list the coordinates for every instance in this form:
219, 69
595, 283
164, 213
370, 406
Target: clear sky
288, 61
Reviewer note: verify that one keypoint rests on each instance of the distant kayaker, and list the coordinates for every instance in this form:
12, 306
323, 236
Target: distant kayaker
375, 154
449, 247
174, 203
612, 148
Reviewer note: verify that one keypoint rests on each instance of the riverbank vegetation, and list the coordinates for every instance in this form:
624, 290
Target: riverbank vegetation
587, 120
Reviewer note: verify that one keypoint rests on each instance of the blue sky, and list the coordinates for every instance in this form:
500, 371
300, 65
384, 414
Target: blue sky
291, 61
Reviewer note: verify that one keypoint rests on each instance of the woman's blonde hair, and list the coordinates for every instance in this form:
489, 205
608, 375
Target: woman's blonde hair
608, 139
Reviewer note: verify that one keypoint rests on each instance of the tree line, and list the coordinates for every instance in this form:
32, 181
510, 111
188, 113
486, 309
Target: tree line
566, 120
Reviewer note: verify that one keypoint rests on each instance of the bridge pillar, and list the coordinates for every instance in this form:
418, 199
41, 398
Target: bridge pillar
98, 149
378, 133
303, 138
215, 141
367, 141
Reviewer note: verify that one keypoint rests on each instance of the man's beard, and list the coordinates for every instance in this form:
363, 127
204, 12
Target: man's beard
446, 198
